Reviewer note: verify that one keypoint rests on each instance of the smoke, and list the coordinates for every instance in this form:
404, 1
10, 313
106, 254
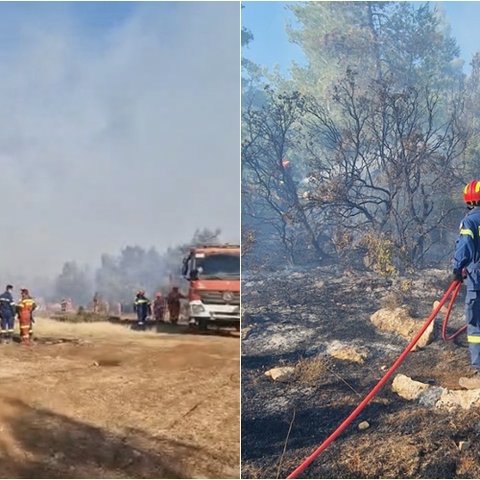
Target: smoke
119, 127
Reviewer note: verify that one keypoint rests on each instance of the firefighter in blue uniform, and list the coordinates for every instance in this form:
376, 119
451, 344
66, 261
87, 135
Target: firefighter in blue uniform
466, 267
7, 314
142, 309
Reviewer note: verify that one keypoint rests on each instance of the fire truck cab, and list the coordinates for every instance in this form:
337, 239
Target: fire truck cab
213, 273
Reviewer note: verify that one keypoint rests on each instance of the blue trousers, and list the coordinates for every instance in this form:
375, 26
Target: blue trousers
7, 323
472, 317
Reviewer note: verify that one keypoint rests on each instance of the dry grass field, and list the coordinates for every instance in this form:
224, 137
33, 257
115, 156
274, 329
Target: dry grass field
98, 400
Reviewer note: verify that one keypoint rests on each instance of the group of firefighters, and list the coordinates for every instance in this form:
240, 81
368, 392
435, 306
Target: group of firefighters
23, 310
143, 307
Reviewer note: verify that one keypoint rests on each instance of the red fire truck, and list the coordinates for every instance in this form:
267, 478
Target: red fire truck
213, 272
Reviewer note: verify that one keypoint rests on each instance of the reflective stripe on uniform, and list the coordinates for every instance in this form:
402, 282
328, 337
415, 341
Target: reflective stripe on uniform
466, 231
27, 301
473, 338
140, 301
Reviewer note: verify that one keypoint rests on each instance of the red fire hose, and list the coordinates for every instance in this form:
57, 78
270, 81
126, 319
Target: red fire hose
447, 315
452, 292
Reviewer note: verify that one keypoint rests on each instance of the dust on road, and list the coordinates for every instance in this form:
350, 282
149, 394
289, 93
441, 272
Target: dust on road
98, 400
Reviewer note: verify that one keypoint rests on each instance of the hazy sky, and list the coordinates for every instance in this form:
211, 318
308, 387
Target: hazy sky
119, 125
271, 47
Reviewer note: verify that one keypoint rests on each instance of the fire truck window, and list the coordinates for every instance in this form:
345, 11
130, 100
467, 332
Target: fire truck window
220, 265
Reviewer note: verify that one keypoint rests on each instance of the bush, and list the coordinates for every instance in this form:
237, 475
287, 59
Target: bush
380, 254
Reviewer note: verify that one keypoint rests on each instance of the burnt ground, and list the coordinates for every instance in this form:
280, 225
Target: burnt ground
293, 316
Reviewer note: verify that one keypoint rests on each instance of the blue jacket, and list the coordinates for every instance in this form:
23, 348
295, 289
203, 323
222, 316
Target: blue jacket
142, 306
467, 248
7, 305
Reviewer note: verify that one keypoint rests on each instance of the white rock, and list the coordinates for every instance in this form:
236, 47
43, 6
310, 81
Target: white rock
407, 388
282, 374
399, 321
438, 397
442, 311
363, 425
341, 351
465, 399
463, 445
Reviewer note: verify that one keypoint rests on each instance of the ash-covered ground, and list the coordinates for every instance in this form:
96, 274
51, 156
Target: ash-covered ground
292, 318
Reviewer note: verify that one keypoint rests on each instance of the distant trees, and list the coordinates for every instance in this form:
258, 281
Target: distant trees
74, 282
119, 276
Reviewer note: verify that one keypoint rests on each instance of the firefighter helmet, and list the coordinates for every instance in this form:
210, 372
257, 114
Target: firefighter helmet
471, 193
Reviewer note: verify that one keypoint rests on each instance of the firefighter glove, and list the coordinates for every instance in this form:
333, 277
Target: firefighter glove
458, 275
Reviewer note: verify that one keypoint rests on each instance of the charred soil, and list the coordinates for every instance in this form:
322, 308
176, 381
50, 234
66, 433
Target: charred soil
291, 319
100, 401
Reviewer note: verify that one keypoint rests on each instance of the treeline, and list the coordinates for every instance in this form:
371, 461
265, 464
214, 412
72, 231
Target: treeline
119, 276
361, 155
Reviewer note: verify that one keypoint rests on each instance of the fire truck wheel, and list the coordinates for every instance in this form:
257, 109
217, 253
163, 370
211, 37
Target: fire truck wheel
202, 324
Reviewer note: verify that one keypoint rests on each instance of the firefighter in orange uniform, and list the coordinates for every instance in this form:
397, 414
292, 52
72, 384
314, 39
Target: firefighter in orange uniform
25, 308
173, 302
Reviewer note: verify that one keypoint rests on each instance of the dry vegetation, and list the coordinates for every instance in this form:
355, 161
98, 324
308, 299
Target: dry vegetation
99, 400
309, 371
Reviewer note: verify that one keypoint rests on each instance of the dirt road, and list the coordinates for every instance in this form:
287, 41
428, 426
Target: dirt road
107, 402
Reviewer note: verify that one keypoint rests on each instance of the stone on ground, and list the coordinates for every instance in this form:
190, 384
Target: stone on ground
363, 425
399, 321
435, 396
280, 374
465, 399
407, 388
341, 351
